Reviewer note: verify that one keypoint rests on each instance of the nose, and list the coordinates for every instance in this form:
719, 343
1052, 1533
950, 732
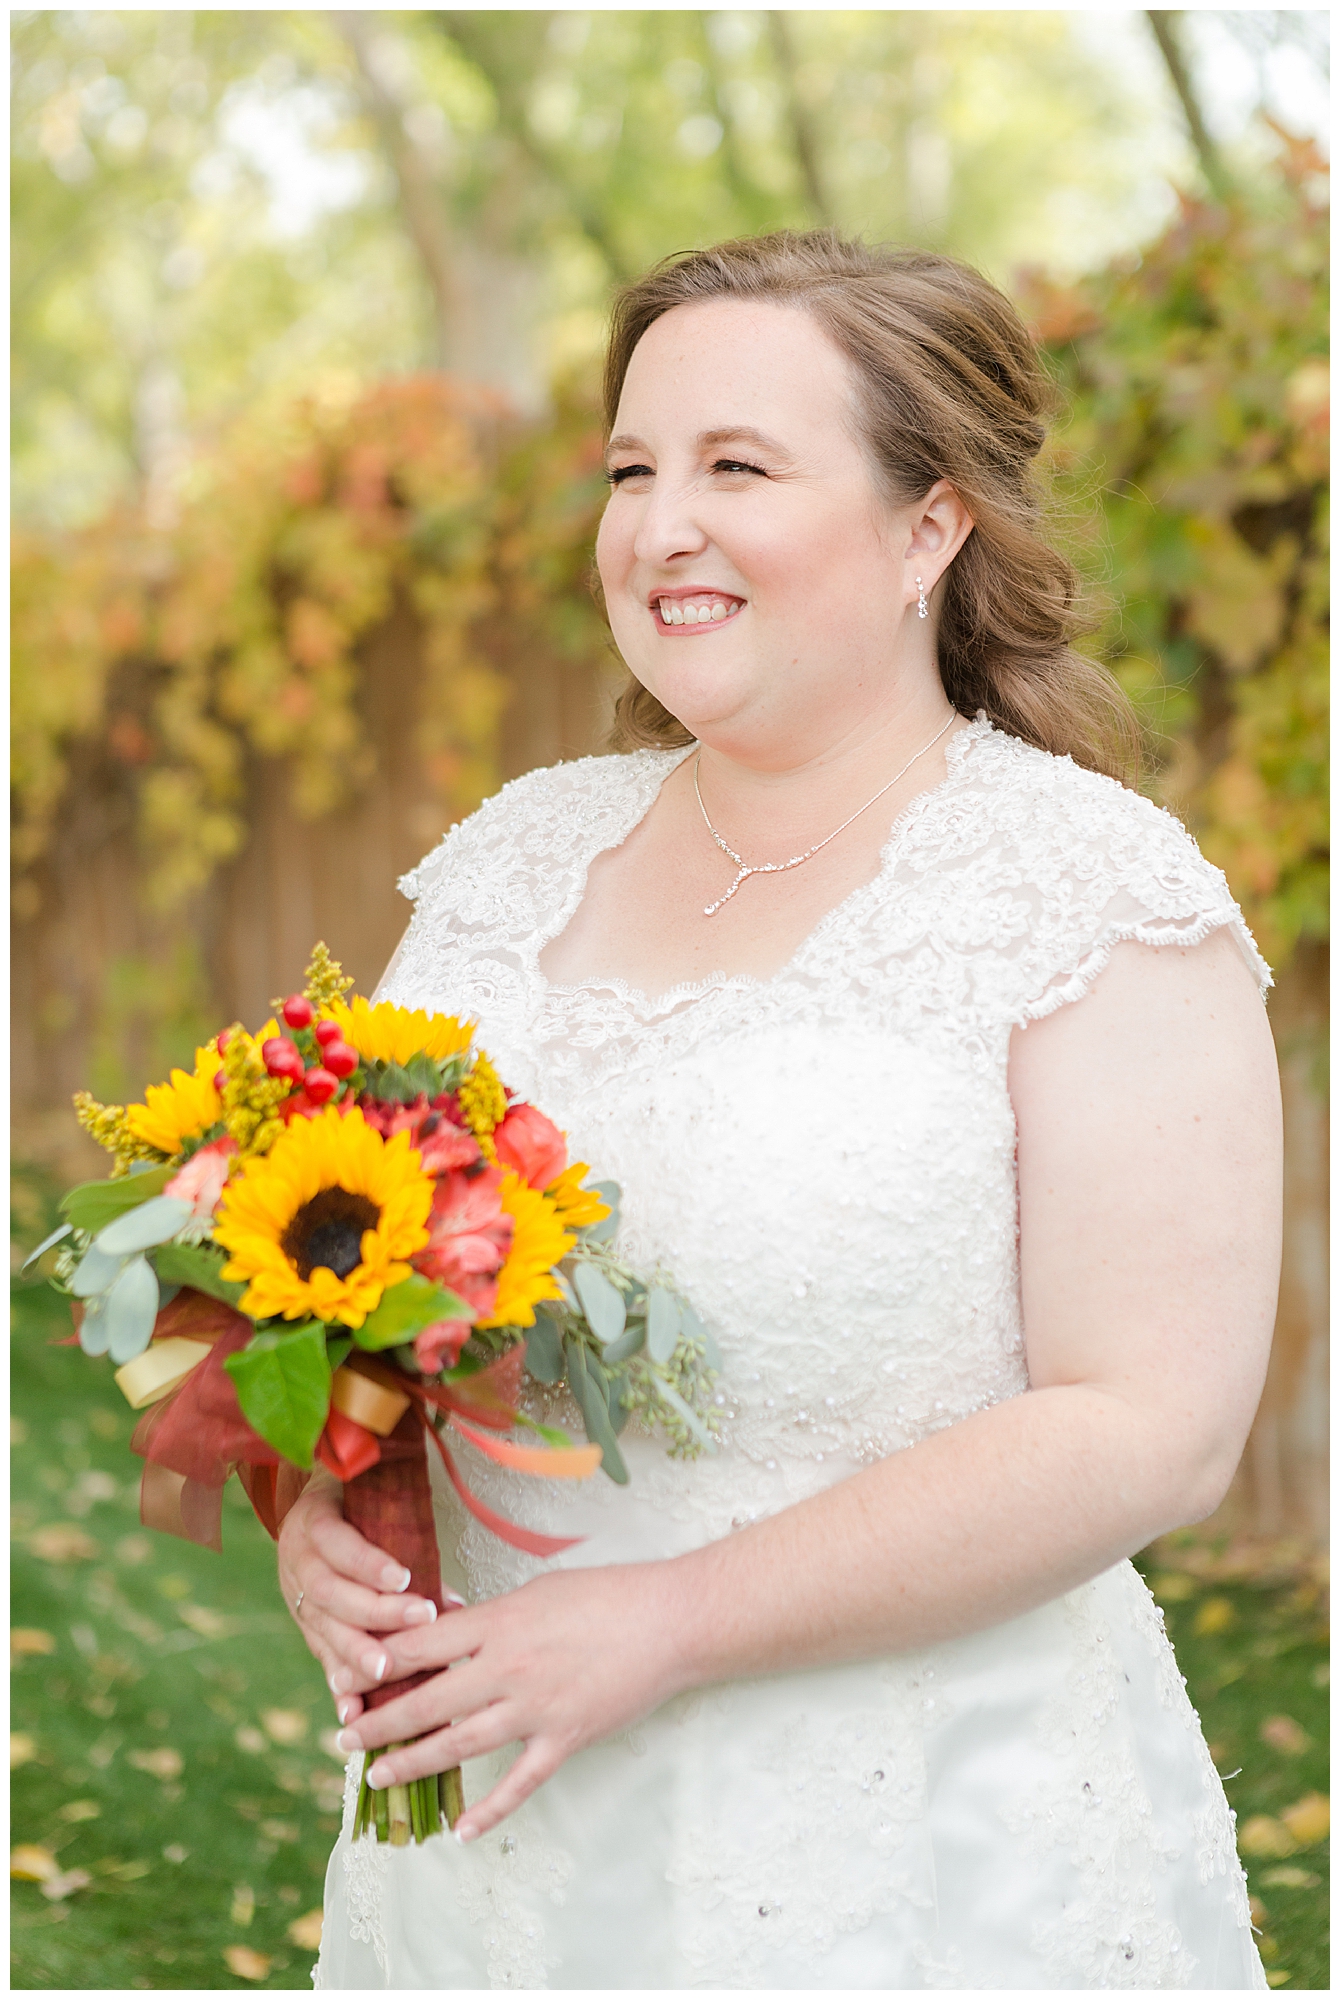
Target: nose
669, 526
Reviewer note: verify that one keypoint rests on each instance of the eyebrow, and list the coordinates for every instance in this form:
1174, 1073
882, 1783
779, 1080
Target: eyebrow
725, 434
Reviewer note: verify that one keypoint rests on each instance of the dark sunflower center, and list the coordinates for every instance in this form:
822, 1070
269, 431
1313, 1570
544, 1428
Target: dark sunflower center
329, 1230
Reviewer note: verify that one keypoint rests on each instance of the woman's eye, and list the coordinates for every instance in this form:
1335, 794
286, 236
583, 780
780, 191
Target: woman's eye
737, 465
618, 473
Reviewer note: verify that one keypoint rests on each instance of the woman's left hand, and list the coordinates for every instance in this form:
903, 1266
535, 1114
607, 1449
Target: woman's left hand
566, 1660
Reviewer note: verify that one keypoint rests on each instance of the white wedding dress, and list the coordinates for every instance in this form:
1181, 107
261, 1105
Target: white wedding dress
825, 1161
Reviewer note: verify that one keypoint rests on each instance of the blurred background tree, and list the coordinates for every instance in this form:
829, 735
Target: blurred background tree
307, 310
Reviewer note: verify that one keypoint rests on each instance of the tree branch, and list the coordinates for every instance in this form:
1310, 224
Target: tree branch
1163, 22
802, 131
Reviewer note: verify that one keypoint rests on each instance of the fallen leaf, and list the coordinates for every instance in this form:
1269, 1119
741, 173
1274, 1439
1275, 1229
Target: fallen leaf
1216, 1614
1265, 1838
57, 1887
243, 1905
1309, 1819
279, 1829
22, 1748
244, 1962
249, 1739
131, 1871
164, 1763
133, 1549
1258, 1911
209, 1624
80, 1809
1290, 1878
1172, 1586
26, 1639
1281, 1732
18, 1431
285, 1725
33, 1864
62, 1542
176, 1853
305, 1931
1279, 1977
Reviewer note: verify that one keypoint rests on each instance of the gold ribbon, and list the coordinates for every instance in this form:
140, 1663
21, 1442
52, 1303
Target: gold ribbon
156, 1373
366, 1402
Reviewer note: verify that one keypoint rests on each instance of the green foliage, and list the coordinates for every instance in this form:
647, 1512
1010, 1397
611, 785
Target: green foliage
198, 1265
1198, 389
283, 1388
404, 1310
94, 1204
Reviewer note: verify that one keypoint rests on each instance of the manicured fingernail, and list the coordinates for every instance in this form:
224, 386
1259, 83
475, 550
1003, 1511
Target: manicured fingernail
450, 1598
395, 1578
380, 1776
375, 1664
347, 1740
341, 1681
423, 1613
463, 1832
344, 1709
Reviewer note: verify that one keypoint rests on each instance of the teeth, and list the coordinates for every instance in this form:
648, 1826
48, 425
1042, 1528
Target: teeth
675, 612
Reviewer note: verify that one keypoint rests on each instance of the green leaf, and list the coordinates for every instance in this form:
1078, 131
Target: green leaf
544, 1350
691, 1417
338, 1351
94, 1204
602, 1302
549, 1432
416, 1302
283, 1387
588, 1383
627, 1345
662, 1323
199, 1266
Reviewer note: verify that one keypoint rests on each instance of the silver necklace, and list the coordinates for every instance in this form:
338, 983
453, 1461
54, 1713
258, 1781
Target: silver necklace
779, 867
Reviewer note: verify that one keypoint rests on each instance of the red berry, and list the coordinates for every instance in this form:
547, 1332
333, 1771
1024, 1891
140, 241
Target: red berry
281, 1057
223, 1040
328, 1032
340, 1059
220, 1078
320, 1085
297, 1011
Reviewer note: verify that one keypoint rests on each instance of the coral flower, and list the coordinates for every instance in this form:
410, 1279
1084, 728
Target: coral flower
202, 1180
180, 1109
531, 1144
469, 1237
385, 1033
325, 1221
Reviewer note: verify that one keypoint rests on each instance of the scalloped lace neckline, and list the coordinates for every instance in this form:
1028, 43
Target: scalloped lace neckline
651, 1006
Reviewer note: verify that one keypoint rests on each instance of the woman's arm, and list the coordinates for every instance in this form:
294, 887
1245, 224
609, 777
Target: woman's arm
1149, 1170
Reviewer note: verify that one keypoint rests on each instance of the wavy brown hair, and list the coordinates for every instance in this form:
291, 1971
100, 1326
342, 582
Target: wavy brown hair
948, 386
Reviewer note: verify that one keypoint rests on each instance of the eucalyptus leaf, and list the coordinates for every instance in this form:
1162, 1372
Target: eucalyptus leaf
93, 1204
199, 1266
95, 1274
629, 1343
131, 1309
565, 1286
153, 1222
619, 1410
601, 1301
604, 1232
404, 1310
93, 1327
45, 1245
591, 1400
544, 1350
695, 1330
691, 1417
283, 1388
662, 1324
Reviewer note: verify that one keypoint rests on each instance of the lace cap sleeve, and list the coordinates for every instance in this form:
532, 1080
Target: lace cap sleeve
1069, 864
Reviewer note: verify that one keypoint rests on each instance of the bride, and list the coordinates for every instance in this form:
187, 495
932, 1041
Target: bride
933, 1064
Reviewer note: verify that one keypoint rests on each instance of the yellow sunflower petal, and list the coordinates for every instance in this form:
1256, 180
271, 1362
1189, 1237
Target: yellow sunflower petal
386, 1033
577, 1206
180, 1109
539, 1241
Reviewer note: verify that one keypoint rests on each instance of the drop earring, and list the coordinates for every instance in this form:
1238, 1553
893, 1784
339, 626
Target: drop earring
921, 600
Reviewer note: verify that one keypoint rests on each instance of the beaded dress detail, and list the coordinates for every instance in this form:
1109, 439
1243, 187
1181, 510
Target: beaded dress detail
1030, 1807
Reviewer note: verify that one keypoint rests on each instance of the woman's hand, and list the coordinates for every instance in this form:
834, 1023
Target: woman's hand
340, 1589
564, 1661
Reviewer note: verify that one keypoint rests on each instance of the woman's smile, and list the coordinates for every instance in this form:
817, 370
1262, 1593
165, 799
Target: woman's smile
687, 610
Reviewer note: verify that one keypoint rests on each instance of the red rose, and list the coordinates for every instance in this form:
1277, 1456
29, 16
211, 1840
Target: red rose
531, 1144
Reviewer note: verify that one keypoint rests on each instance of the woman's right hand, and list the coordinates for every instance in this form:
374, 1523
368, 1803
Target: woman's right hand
341, 1590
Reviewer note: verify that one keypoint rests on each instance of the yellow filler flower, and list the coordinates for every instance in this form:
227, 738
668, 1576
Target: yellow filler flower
385, 1033
180, 1109
323, 1223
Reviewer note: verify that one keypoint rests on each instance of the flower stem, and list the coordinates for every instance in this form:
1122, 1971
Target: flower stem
451, 1794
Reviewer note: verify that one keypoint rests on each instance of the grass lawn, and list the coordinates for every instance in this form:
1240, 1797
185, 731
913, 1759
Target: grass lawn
169, 1722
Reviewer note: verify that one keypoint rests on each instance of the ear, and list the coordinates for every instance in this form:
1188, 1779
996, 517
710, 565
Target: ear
938, 526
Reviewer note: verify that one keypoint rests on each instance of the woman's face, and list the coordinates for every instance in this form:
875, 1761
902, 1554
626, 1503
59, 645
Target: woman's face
743, 506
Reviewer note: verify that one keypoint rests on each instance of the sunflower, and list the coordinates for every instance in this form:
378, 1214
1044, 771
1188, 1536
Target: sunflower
577, 1206
323, 1224
180, 1109
539, 1240
393, 1034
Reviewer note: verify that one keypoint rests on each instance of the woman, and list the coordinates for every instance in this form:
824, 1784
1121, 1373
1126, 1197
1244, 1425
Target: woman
871, 1697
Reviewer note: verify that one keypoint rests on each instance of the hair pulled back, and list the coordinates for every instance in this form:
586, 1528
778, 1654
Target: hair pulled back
949, 386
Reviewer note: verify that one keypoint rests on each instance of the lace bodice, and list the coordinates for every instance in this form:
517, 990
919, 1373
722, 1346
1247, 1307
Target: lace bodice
824, 1158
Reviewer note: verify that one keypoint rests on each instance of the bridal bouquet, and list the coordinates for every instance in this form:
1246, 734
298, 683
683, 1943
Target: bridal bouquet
342, 1237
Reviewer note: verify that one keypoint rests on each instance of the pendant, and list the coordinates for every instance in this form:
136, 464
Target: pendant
712, 908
